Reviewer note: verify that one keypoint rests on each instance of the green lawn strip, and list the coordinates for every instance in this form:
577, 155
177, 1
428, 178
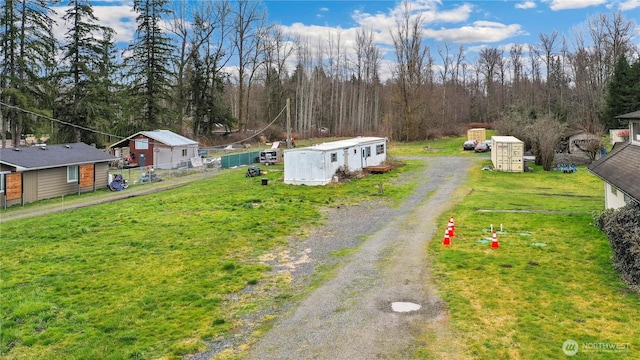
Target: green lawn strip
551, 279
448, 146
156, 276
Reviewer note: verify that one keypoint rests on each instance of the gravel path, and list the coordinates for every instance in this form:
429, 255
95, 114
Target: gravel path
350, 316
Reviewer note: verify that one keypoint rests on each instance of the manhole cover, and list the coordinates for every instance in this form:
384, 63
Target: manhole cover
404, 306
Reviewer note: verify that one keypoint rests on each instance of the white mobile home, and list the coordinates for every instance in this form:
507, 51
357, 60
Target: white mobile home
316, 165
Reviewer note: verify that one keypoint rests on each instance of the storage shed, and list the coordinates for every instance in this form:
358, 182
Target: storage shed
316, 165
477, 134
507, 153
162, 149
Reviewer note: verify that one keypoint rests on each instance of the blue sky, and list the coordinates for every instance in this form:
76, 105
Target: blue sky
474, 24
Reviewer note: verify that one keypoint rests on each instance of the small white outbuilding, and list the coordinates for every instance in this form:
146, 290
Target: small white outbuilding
317, 164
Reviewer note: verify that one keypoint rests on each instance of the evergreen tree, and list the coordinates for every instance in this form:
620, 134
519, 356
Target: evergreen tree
147, 62
81, 101
620, 94
207, 89
28, 50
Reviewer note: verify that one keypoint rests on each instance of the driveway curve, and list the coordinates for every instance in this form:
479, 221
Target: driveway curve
351, 315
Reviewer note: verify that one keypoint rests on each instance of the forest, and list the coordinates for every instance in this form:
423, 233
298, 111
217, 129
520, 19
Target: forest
206, 69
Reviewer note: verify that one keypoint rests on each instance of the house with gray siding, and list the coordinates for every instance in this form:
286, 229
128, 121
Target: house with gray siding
620, 169
29, 174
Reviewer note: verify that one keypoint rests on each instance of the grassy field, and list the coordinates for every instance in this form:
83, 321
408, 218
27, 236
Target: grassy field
156, 276
550, 281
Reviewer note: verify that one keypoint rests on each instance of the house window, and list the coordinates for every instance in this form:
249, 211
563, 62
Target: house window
142, 144
73, 173
334, 157
2, 182
379, 149
635, 131
614, 191
184, 152
627, 199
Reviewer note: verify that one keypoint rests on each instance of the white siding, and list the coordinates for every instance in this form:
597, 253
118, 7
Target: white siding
613, 198
313, 166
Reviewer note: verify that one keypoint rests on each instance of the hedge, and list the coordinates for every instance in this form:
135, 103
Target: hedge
622, 228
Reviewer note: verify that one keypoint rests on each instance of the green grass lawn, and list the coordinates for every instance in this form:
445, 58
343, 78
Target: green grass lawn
551, 280
156, 276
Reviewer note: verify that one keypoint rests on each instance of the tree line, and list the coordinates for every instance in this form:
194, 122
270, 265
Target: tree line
175, 75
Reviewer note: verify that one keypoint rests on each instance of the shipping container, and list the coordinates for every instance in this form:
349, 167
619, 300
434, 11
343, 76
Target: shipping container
477, 134
507, 153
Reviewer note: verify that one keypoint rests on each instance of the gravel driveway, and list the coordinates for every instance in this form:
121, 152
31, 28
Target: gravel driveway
351, 315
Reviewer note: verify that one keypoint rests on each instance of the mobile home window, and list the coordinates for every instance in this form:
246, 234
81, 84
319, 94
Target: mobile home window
72, 173
334, 157
366, 152
379, 149
184, 152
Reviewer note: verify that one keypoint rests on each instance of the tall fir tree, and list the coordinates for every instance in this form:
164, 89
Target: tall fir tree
28, 50
147, 62
620, 94
82, 56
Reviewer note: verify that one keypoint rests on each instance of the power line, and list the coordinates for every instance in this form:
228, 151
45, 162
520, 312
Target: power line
59, 121
259, 132
121, 137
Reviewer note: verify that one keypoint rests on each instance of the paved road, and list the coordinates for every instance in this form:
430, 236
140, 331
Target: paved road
351, 316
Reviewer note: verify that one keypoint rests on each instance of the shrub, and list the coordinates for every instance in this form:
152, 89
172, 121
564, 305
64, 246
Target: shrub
622, 227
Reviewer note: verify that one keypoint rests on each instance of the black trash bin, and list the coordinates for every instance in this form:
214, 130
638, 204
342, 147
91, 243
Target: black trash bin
265, 181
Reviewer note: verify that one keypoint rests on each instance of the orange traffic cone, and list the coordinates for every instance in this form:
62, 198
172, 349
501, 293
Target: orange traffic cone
452, 223
494, 241
450, 231
447, 240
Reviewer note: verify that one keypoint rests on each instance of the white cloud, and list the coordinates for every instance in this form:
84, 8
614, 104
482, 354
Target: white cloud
526, 5
629, 5
479, 31
120, 17
573, 4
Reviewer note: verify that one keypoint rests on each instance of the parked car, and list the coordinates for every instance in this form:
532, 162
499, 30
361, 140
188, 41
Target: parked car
469, 145
488, 142
481, 147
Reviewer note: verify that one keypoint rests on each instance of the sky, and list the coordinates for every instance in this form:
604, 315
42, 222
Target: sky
474, 24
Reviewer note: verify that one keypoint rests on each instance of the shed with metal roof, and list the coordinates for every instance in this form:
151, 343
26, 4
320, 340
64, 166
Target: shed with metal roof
162, 149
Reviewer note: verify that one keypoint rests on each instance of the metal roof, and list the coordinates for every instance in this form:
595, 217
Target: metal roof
166, 137
51, 156
341, 144
620, 168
